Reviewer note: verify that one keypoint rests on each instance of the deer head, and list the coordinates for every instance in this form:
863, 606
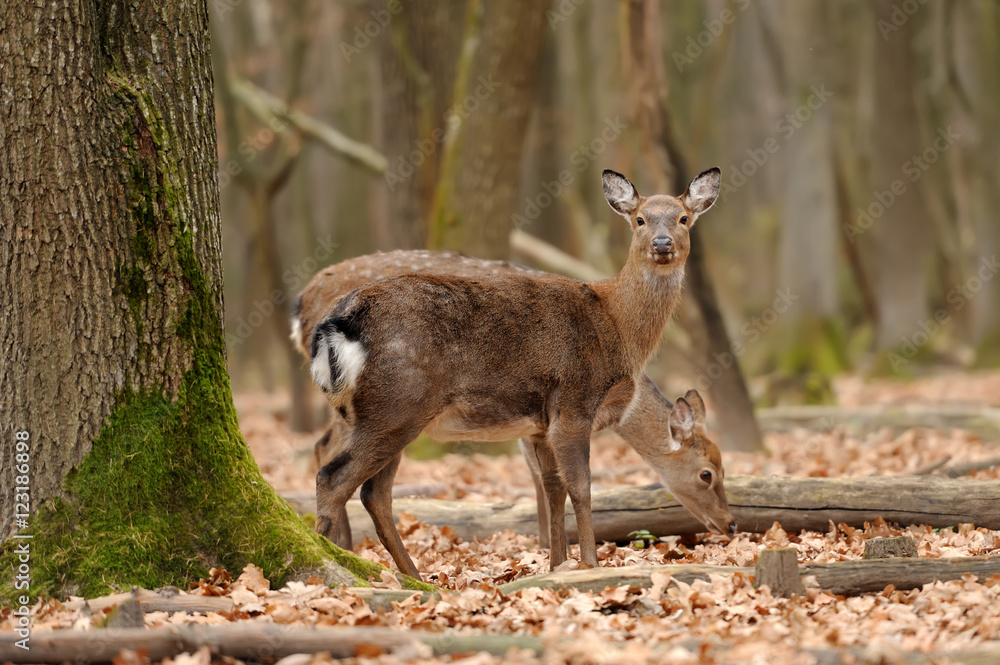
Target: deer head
679, 448
661, 224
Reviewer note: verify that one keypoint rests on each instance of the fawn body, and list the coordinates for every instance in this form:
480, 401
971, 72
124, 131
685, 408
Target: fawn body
689, 466
508, 355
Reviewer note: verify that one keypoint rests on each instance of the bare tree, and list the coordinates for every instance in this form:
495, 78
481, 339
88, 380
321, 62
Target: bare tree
899, 219
478, 181
667, 164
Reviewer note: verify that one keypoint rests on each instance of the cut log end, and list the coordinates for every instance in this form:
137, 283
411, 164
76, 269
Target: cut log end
778, 569
900, 547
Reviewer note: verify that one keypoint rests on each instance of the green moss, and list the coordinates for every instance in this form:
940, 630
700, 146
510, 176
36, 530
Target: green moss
169, 488
810, 352
988, 352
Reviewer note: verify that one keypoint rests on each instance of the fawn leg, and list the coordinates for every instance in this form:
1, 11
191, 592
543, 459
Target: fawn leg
528, 446
376, 495
362, 456
555, 495
325, 449
570, 444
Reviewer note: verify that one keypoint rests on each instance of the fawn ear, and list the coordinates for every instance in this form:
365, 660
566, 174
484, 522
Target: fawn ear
682, 420
702, 191
620, 193
693, 397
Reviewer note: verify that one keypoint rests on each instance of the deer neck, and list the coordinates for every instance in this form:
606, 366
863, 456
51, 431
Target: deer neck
641, 301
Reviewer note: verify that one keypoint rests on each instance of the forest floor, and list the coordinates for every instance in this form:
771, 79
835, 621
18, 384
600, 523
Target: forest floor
724, 620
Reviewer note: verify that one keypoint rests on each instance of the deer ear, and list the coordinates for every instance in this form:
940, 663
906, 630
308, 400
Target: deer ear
682, 420
620, 193
693, 397
702, 191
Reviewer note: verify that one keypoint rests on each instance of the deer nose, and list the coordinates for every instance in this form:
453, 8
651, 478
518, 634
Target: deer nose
662, 243
732, 528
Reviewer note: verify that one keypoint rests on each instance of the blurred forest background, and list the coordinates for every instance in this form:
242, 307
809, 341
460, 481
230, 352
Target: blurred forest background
857, 229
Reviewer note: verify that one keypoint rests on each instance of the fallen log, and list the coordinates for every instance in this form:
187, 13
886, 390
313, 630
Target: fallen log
757, 503
153, 601
251, 640
844, 578
984, 421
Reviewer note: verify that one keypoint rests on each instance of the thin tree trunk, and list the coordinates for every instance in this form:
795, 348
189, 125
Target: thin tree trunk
479, 178
721, 373
113, 318
899, 218
417, 57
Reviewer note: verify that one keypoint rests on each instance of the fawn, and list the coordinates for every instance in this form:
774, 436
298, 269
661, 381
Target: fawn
500, 357
689, 464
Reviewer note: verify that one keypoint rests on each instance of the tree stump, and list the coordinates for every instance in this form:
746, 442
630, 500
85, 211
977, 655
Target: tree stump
778, 569
127, 615
890, 548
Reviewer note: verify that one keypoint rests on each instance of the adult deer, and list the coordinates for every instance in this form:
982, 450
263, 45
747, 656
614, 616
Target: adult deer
491, 359
688, 463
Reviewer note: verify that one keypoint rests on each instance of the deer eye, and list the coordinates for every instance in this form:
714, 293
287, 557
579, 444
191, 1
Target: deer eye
639, 221
685, 219
706, 476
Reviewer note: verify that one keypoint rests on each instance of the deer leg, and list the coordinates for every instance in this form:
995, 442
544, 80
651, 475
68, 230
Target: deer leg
361, 457
376, 495
528, 449
571, 448
343, 538
555, 496
335, 438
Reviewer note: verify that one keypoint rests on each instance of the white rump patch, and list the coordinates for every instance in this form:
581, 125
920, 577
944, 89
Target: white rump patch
320, 366
297, 336
350, 358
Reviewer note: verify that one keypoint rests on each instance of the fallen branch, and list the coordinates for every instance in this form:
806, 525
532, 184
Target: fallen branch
845, 578
757, 502
956, 470
265, 107
983, 421
248, 640
152, 601
552, 258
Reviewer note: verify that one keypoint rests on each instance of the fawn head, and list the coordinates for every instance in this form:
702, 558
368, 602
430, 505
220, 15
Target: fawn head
661, 224
692, 469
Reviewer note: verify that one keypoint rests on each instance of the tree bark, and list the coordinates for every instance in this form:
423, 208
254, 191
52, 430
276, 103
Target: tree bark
113, 317
480, 173
900, 224
417, 65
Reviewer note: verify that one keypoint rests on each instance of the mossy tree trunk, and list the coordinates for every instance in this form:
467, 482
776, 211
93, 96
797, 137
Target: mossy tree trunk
112, 311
